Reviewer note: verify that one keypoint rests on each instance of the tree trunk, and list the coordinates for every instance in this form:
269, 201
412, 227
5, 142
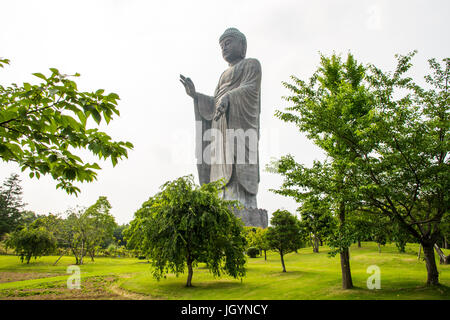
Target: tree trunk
359, 243
282, 261
347, 282
59, 257
379, 248
432, 272
75, 254
82, 252
190, 272
265, 255
316, 245
443, 259
445, 246
420, 250
345, 256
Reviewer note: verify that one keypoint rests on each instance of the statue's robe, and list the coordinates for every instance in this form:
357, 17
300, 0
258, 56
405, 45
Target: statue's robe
219, 157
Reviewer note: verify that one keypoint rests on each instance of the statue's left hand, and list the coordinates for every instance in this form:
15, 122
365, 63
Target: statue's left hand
222, 108
189, 86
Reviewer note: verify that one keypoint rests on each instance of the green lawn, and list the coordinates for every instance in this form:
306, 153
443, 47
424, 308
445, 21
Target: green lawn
309, 276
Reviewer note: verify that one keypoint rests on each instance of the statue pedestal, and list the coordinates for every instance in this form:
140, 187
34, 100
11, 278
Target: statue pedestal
253, 217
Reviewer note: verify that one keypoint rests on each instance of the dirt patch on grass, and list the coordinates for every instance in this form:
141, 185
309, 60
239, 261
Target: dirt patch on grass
93, 288
19, 276
128, 295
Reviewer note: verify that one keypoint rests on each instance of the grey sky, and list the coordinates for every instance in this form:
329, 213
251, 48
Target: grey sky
138, 49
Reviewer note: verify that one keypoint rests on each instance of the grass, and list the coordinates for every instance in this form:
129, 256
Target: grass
309, 276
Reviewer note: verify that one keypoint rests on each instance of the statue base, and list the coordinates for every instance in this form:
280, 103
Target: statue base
253, 217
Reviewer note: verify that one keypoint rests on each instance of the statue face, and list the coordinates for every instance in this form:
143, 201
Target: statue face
231, 49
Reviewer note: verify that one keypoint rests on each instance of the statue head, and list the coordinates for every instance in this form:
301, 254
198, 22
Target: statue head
233, 44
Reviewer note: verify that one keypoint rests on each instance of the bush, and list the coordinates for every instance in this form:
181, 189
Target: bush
252, 252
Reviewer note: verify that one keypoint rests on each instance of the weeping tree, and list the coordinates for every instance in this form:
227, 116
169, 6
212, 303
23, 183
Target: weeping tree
185, 224
31, 242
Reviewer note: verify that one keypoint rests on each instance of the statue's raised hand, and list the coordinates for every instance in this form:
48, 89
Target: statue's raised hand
188, 85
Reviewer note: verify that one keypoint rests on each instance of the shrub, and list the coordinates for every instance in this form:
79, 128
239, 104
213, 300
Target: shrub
252, 252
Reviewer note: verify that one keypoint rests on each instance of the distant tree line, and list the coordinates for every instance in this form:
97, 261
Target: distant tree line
83, 232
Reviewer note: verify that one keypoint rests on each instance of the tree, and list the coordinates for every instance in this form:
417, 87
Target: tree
399, 236
27, 217
325, 181
31, 242
11, 204
184, 224
284, 234
316, 221
118, 234
86, 229
390, 132
261, 241
57, 228
75, 232
255, 237
101, 225
41, 125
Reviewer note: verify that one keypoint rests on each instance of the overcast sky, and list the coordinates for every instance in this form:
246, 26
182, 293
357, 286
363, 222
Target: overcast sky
137, 49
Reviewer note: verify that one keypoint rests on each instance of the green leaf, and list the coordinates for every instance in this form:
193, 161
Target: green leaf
40, 75
52, 158
96, 115
70, 174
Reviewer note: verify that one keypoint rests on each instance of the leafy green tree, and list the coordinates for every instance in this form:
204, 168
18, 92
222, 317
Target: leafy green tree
262, 243
75, 233
42, 125
54, 224
284, 234
27, 217
399, 236
250, 236
390, 132
316, 221
31, 242
118, 234
361, 226
101, 225
85, 230
11, 204
184, 224
255, 237
326, 181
